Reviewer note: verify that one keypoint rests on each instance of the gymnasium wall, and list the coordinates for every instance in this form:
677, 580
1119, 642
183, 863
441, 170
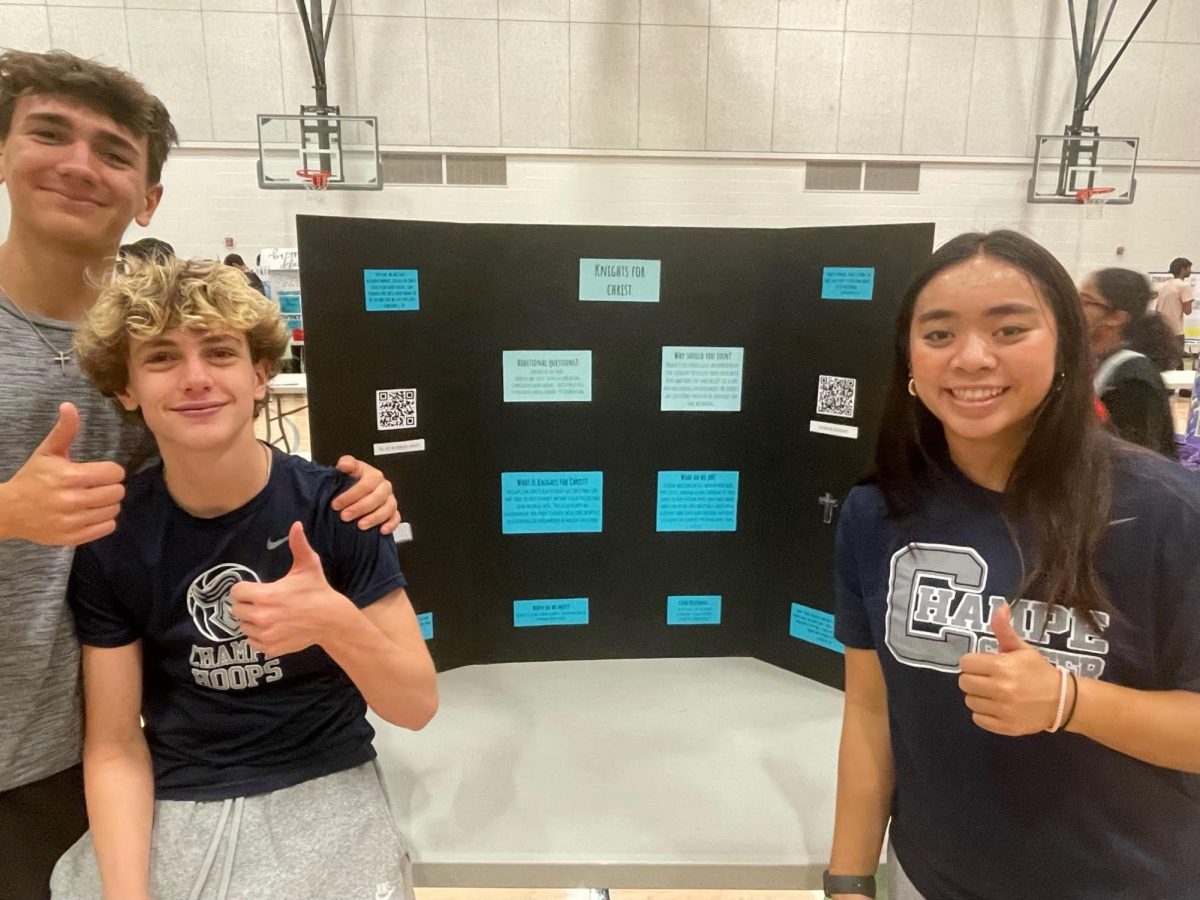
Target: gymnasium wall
211, 194
672, 112
971, 78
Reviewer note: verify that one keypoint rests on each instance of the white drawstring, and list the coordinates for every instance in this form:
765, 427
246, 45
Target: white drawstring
231, 847
235, 806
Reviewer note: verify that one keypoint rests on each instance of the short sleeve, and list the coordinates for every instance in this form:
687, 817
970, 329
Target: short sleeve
365, 565
852, 625
101, 619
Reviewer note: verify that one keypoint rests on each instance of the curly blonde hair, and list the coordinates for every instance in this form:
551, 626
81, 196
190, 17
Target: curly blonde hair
146, 299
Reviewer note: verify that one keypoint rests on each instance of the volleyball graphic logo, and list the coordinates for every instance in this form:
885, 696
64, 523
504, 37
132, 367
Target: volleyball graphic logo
209, 603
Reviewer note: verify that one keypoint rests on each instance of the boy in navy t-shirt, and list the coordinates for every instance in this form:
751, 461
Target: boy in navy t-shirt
240, 617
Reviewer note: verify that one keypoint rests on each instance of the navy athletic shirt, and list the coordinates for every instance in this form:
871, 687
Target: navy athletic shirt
980, 816
221, 719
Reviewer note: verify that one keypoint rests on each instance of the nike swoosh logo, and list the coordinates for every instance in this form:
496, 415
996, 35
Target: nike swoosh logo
1122, 521
271, 545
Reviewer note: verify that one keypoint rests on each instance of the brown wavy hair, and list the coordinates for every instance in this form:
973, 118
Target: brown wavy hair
105, 89
147, 298
1061, 487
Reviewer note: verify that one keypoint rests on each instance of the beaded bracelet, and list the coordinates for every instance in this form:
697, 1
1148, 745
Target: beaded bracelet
1062, 700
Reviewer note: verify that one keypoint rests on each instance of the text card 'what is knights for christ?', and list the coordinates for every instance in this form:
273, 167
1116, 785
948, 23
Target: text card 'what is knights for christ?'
697, 501
547, 376
628, 280
702, 379
552, 502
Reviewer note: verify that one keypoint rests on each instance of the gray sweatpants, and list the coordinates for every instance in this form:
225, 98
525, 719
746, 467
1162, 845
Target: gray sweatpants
331, 838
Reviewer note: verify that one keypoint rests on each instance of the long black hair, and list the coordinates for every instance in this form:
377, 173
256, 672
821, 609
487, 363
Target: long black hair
1059, 491
1128, 291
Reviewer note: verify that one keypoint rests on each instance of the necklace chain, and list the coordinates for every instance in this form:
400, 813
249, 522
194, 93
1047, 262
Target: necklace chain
62, 357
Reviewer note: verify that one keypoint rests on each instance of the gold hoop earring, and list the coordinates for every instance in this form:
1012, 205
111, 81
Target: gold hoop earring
912, 387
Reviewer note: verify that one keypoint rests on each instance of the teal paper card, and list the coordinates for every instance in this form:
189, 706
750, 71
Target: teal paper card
694, 609
536, 613
425, 620
701, 379
391, 290
547, 376
814, 626
552, 502
622, 280
847, 283
697, 501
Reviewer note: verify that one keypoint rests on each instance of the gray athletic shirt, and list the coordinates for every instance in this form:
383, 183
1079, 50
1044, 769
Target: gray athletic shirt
40, 717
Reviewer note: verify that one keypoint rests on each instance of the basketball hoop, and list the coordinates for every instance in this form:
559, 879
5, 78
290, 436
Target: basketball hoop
315, 182
1093, 200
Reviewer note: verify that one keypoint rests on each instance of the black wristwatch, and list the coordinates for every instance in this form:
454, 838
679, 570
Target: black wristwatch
849, 884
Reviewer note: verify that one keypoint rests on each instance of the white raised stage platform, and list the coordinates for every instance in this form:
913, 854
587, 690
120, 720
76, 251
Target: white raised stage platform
654, 773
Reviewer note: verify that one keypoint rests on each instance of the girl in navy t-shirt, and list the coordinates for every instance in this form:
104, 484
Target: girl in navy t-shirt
1020, 603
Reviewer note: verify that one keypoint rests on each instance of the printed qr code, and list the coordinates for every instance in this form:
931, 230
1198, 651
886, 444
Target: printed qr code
396, 409
835, 396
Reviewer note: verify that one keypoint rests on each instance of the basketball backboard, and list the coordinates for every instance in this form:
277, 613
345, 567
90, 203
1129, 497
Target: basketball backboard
347, 147
1066, 165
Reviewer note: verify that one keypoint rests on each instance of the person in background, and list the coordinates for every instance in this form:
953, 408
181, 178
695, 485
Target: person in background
1020, 614
1174, 304
1130, 347
237, 262
147, 249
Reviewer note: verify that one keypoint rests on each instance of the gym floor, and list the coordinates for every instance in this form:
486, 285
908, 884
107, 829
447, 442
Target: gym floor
586, 894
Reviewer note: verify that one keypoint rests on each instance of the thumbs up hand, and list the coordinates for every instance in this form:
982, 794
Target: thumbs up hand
52, 500
294, 612
1011, 692
58, 441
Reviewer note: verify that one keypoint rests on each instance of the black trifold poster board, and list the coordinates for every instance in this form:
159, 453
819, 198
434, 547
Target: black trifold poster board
433, 307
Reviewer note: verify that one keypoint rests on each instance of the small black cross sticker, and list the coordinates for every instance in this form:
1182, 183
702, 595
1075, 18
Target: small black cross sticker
828, 501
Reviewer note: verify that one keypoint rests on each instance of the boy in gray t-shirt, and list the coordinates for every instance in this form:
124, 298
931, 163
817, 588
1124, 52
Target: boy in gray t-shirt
82, 148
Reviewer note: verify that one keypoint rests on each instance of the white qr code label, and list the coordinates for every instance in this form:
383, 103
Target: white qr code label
835, 396
396, 409
833, 429
393, 447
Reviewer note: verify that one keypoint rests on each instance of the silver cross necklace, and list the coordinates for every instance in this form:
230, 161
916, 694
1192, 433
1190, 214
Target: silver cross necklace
62, 357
